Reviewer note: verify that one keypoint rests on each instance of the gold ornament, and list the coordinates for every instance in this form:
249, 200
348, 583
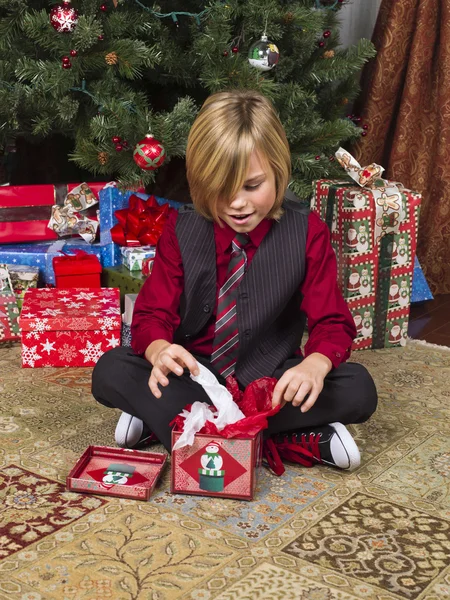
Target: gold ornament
328, 54
111, 58
103, 158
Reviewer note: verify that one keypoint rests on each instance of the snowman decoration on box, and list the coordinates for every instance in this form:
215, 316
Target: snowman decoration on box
367, 325
366, 285
363, 239
118, 474
402, 251
334, 222
404, 294
211, 472
357, 200
404, 333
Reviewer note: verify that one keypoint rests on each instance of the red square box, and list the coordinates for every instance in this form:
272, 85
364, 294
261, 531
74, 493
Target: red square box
77, 270
216, 466
116, 472
69, 328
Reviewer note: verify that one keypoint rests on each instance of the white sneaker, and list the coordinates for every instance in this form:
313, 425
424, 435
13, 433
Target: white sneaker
129, 431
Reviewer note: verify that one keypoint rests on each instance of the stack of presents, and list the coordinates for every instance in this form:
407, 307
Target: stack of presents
74, 257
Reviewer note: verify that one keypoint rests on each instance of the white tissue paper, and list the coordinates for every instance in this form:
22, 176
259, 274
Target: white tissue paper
227, 410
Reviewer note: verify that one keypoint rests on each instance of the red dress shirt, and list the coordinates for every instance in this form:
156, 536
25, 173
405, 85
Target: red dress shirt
330, 325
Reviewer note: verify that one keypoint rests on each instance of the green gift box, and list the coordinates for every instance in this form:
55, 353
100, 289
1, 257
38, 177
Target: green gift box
129, 282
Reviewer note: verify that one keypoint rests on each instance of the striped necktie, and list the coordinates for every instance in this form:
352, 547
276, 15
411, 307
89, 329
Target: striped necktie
226, 335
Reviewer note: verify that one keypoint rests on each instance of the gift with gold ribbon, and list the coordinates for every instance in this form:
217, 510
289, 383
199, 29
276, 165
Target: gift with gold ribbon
373, 223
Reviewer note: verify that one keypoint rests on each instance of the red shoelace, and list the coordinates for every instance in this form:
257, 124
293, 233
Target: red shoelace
296, 448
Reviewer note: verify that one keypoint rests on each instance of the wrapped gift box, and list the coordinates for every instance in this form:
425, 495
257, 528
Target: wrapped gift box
23, 278
127, 317
215, 466
9, 311
420, 288
373, 232
25, 210
129, 282
133, 257
41, 255
77, 270
116, 472
69, 328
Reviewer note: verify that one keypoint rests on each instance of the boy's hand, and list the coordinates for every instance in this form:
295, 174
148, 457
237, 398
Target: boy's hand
167, 358
306, 378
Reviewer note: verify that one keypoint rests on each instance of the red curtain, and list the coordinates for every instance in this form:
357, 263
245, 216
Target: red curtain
406, 102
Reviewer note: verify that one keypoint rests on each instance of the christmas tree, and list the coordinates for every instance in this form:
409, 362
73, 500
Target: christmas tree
126, 78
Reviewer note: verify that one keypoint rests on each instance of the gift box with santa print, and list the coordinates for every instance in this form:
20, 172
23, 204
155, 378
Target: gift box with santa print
373, 232
69, 327
9, 311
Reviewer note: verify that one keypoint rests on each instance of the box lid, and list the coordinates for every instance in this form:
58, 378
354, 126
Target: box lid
76, 264
54, 309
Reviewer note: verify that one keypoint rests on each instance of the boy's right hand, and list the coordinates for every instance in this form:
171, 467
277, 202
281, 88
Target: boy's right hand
167, 358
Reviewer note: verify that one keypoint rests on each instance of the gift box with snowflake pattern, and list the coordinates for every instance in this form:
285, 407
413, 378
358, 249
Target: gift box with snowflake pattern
69, 327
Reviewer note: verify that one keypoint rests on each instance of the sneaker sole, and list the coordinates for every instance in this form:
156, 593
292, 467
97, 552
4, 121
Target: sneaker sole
351, 449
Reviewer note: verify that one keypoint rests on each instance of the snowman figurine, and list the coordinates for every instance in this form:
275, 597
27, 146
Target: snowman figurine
404, 294
366, 287
367, 327
353, 282
352, 238
402, 252
118, 474
363, 240
404, 333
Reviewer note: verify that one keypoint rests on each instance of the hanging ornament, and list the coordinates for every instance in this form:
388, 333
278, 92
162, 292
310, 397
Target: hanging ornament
321, 44
100, 37
116, 139
235, 49
63, 18
263, 55
149, 154
365, 126
66, 64
225, 53
119, 147
318, 157
103, 8
73, 53
327, 33
328, 54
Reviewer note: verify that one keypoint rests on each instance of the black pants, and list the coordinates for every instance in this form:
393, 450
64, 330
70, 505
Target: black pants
120, 380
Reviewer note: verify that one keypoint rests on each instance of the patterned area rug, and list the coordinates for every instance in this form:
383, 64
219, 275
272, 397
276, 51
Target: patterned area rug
382, 532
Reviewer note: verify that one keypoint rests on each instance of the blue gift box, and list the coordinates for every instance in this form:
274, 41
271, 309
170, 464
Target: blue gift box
41, 254
112, 199
420, 288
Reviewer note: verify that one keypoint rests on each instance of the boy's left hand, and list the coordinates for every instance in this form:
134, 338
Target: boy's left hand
306, 378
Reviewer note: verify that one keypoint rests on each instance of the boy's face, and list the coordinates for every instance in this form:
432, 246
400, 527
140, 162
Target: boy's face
254, 200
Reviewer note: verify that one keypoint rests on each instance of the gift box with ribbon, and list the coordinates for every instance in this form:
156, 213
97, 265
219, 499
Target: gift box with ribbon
23, 278
216, 450
373, 232
141, 224
26, 209
9, 311
79, 269
133, 258
129, 282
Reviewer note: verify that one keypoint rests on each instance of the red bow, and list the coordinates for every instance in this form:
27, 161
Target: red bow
141, 224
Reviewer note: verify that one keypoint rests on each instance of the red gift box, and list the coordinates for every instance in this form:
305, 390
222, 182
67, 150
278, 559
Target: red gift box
116, 472
225, 463
26, 209
69, 328
77, 270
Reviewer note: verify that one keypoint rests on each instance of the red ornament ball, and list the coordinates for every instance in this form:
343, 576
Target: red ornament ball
332, 159
327, 33
365, 127
149, 154
116, 139
64, 18
101, 37
234, 49
225, 53
321, 44
364, 133
318, 157
67, 65
66, 59
119, 147
103, 7
73, 53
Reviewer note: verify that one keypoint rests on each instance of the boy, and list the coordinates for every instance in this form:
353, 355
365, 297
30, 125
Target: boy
233, 281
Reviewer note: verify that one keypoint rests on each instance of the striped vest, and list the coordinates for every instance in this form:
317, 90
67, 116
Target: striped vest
270, 322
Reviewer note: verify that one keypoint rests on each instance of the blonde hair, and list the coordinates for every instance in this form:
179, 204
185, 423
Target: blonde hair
229, 127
